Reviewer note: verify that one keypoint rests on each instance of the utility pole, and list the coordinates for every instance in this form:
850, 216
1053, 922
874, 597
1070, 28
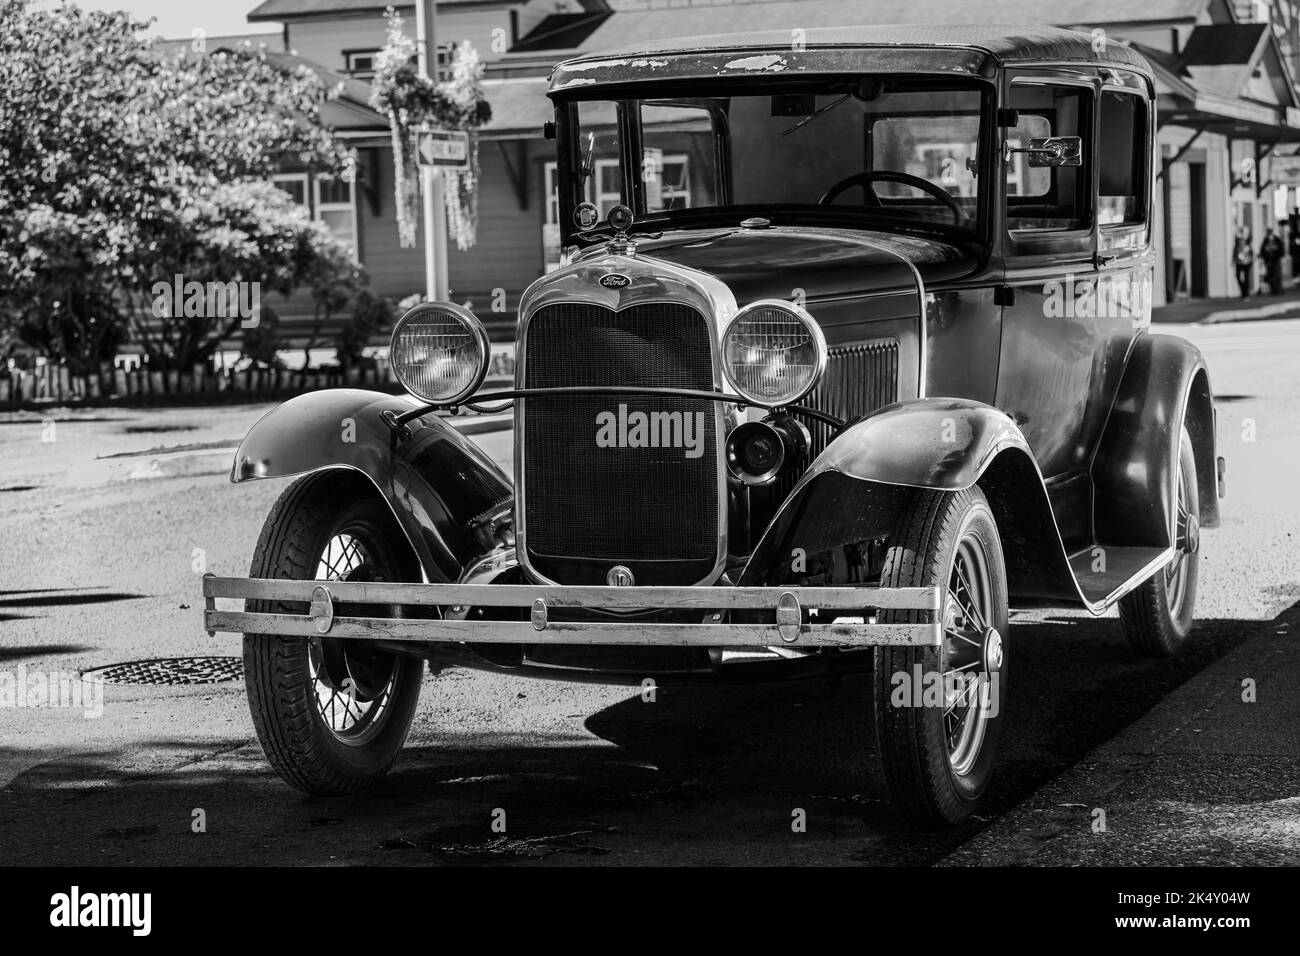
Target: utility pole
435, 216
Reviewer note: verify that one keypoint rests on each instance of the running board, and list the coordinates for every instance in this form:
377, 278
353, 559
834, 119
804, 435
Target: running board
1104, 574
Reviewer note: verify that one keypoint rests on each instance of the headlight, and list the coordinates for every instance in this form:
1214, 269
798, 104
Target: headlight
773, 353
439, 352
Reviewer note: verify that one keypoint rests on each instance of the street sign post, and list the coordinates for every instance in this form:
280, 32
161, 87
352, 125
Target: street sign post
448, 148
435, 216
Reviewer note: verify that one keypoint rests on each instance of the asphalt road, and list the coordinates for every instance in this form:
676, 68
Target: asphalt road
100, 559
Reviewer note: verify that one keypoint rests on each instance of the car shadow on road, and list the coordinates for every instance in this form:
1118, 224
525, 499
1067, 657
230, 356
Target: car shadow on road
57, 597
699, 775
17, 652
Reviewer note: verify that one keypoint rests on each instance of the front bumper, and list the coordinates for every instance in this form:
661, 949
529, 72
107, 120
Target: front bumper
789, 616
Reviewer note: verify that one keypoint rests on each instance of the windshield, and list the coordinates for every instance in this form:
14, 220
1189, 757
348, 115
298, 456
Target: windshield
878, 149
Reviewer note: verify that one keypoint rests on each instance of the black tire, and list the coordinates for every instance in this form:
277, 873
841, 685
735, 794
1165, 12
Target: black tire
301, 732
1157, 616
938, 768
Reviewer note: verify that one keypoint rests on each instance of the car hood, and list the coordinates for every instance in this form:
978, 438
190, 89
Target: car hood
826, 264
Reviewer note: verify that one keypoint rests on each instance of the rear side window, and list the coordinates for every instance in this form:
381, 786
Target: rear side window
1121, 198
1047, 197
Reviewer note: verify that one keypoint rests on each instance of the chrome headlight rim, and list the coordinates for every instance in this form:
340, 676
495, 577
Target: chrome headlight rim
815, 333
472, 323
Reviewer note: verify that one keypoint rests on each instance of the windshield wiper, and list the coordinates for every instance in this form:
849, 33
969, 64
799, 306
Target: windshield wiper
825, 109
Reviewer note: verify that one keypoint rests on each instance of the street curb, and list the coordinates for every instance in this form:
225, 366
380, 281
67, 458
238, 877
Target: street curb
1054, 825
1288, 309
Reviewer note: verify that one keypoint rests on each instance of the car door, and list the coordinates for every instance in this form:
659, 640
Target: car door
1065, 334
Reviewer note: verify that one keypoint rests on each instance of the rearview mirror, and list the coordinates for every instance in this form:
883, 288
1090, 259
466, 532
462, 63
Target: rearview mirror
1052, 151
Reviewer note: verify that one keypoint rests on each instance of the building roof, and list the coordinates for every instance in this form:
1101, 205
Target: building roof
562, 31
519, 106
307, 9
350, 89
272, 42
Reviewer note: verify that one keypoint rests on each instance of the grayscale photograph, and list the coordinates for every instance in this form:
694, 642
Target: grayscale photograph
569, 434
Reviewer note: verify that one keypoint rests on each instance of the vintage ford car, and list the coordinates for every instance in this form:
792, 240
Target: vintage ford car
849, 353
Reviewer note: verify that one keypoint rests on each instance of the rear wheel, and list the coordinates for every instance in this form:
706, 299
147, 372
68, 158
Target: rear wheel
331, 714
1157, 615
939, 709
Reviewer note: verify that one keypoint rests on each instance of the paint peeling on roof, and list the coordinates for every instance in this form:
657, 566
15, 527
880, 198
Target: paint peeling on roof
647, 64
580, 66
770, 63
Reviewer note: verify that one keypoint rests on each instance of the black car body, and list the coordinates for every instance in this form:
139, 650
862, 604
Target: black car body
764, 429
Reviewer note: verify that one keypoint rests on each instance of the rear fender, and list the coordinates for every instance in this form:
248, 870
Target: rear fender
438, 483
1134, 470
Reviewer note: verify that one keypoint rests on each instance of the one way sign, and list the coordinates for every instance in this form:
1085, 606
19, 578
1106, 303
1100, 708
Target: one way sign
442, 147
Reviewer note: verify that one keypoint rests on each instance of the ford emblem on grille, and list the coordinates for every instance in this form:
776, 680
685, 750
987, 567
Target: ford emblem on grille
615, 280
620, 577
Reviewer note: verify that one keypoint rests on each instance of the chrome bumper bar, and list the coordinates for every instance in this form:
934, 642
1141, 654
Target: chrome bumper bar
793, 613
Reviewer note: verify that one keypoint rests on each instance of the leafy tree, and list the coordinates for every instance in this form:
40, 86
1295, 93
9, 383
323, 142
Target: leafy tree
370, 314
122, 166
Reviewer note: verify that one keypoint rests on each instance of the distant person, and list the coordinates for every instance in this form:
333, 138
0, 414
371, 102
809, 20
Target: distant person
1243, 258
1294, 243
1271, 251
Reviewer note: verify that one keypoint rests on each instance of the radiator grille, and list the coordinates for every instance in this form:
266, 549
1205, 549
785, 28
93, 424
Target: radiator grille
859, 379
619, 504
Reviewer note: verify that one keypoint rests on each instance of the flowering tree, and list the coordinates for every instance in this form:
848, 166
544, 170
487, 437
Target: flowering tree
121, 166
411, 101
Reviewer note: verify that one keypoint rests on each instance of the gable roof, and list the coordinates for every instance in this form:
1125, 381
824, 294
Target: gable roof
271, 41
307, 9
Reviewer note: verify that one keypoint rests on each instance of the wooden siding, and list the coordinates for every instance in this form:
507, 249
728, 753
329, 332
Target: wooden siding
325, 40
508, 254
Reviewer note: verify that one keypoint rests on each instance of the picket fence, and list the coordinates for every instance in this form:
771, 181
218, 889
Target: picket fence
54, 385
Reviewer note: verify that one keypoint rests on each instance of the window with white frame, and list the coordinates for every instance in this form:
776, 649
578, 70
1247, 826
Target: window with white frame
446, 53
551, 222
667, 180
950, 165
295, 184
336, 206
605, 188
331, 199
609, 185
361, 63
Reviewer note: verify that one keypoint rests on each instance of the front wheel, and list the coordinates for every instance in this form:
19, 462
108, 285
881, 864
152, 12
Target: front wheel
331, 714
939, 710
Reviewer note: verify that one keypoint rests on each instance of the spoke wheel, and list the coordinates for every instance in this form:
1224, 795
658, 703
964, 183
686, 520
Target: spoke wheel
353, 685
1157, 616
939, 709
967, 610
331, 714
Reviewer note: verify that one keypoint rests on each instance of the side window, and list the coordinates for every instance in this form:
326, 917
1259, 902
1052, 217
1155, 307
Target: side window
1047, 197
1123, 151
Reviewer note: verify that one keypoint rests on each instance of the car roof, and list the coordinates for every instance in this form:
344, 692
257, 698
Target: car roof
1003, 44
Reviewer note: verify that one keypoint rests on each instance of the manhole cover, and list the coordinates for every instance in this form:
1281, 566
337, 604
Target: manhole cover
172, 670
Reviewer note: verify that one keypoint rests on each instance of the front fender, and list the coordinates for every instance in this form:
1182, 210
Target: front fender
939, 443
437, 482
859, 487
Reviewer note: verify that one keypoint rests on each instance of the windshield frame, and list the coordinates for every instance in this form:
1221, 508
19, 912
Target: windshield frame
571, 185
